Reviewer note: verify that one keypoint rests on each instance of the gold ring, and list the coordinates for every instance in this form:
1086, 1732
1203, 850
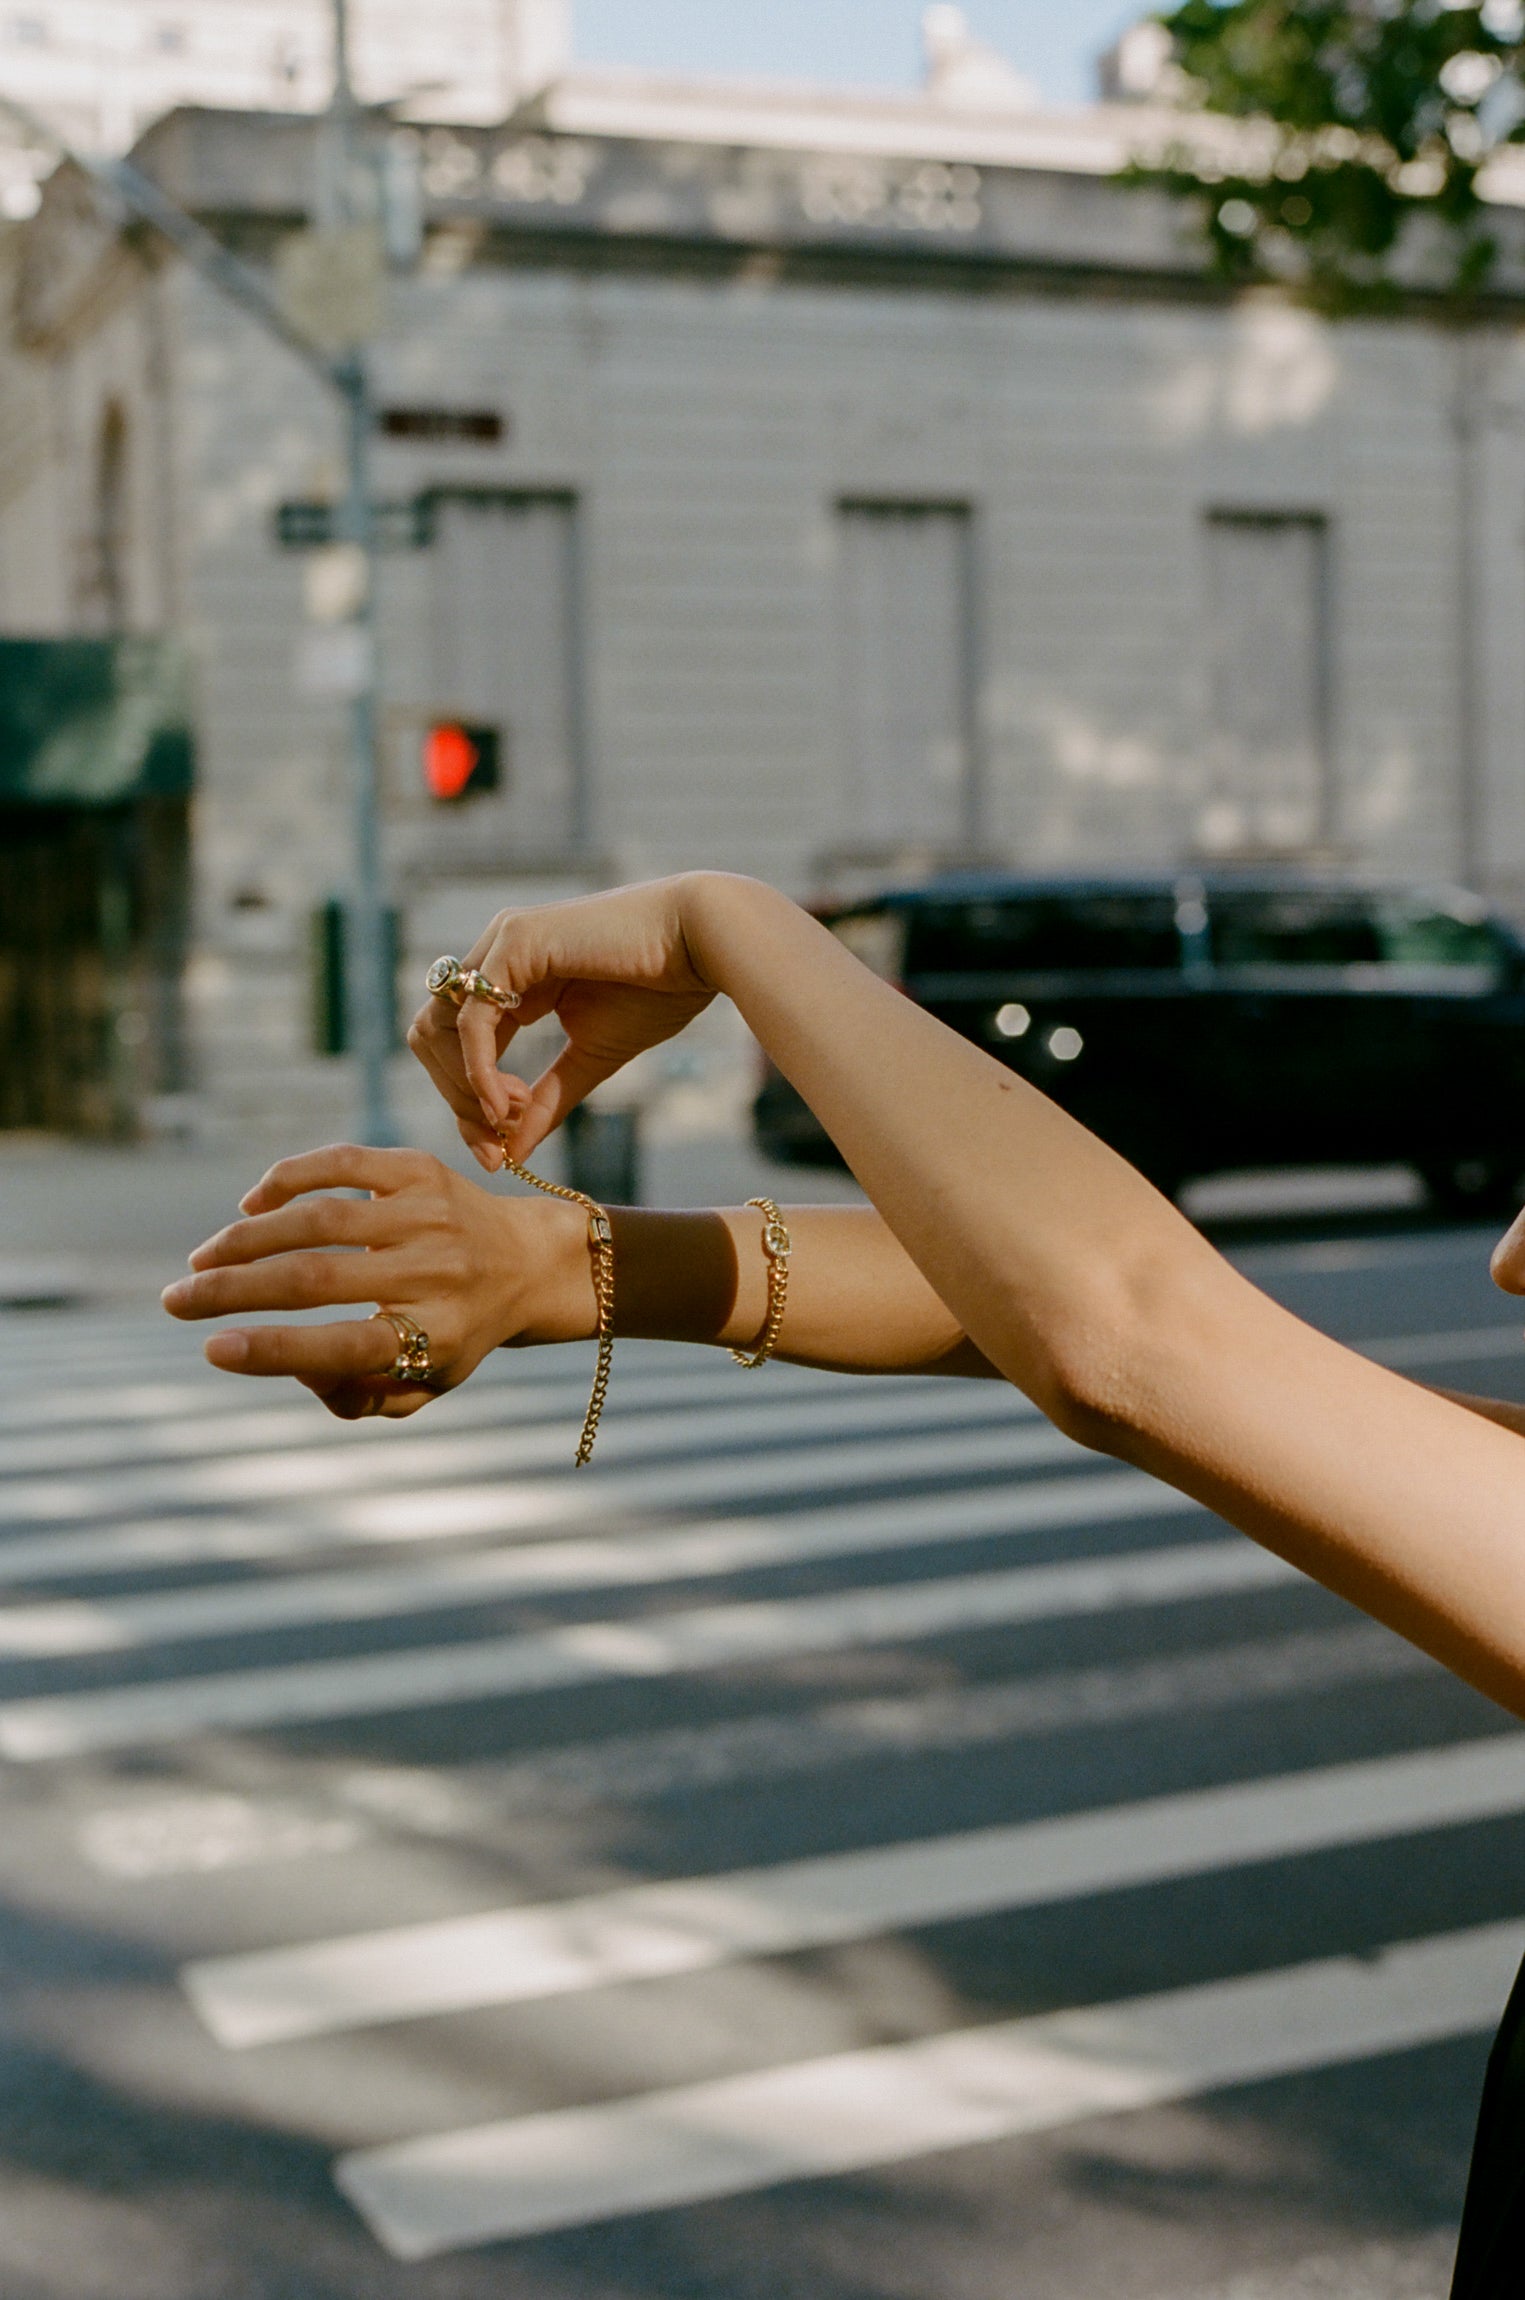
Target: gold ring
412, 1362
447, 978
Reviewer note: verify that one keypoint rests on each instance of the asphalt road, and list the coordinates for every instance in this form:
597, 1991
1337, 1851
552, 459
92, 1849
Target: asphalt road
848, 1843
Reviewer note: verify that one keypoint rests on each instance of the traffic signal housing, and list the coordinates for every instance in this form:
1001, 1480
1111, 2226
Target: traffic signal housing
460, 761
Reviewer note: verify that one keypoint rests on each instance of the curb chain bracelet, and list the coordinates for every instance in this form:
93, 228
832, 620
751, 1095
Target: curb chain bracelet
776, 1246
601, 1252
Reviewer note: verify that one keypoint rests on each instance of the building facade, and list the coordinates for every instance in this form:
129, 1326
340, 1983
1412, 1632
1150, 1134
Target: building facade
807, 508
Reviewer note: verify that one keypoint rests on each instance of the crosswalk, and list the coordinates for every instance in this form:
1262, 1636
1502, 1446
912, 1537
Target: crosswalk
801, 1665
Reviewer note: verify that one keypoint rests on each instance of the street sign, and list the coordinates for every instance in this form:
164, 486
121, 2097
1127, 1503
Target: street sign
399, 523
444, 426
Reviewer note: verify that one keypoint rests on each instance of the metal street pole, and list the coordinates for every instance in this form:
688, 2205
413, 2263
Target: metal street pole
370, 987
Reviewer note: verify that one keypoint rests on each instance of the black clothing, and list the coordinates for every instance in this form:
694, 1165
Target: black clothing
1490, 2258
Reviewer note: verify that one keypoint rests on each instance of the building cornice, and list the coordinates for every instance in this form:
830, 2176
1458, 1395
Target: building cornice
523, 192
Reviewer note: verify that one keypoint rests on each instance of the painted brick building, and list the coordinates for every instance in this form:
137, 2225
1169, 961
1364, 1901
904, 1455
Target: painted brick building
868, 483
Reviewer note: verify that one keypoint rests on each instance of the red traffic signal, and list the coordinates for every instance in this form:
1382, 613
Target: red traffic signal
460, 760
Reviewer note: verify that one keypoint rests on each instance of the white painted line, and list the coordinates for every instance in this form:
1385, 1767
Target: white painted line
172, 1425
662, 1645
409, 1473
276, 1466
701, 1482
650, 1932
1472, 1344
852, 2111
67, 1626
100, 1417
623, 1768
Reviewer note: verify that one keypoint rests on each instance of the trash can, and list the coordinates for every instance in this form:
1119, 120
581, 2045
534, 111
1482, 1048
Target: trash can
603, 1154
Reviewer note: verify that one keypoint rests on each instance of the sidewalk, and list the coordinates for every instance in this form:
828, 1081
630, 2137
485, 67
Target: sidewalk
85, 1222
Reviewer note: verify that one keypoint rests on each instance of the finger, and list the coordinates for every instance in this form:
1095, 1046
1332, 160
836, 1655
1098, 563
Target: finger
439, 1049
497, 1098
306, 1222
307, 1281
449, 1081
569, 1080
485, 1146
1508, 1263
353, 1350
354, 1401
339, 1166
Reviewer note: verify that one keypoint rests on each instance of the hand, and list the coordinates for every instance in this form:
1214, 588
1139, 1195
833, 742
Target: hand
1508, 1263
618, 973
472, 1270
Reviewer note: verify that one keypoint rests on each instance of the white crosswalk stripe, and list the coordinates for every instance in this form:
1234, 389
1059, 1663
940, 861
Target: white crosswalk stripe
507, 1956
71, 1625
282, 1460
661, 1645
392, 1492
200, 1512
852, 2111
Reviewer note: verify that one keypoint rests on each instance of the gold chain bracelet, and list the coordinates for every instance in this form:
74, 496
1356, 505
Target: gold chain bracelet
776, 1246
601, 1249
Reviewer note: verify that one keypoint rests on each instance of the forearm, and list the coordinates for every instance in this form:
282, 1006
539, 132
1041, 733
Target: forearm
856, 1302
1027, 1226
1508, 1417
1087, 1289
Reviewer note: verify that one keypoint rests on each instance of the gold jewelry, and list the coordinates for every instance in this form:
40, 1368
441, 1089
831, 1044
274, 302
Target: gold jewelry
448, 979
601, 1248
776, 1246
412, 1362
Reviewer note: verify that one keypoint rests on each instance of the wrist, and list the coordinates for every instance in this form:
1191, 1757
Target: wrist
721, 916
549, 1253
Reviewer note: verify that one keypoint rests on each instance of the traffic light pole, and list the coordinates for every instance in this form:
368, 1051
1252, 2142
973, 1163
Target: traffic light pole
369, 987
370, 990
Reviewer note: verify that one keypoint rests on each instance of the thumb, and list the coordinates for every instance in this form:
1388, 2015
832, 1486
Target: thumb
570, 1079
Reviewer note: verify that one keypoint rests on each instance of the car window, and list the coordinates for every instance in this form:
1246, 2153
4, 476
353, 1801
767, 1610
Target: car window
1307, 927
1453, 932
877, 937
1045, 934
1293, 928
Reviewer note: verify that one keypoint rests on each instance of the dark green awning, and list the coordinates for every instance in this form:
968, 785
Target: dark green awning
92, 722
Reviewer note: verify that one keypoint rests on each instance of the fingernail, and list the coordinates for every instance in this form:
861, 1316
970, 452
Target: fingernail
230, 1351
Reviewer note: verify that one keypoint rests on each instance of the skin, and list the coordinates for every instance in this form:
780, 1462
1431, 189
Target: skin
1003, 1240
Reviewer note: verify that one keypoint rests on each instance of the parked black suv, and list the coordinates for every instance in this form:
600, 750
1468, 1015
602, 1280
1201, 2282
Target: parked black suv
1206, 1022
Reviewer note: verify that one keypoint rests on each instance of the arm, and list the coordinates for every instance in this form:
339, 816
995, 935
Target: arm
478, 1271
1508, 1417
1064, 1269
1087, 1289
856, 1304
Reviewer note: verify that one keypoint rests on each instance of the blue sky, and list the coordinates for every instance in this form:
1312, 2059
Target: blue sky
1053, 41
